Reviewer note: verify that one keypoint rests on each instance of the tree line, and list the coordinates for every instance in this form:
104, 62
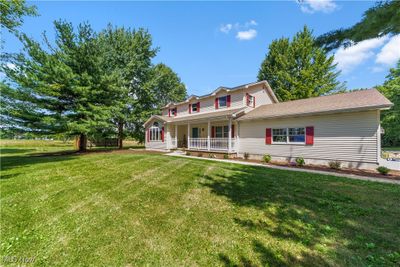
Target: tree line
98, 84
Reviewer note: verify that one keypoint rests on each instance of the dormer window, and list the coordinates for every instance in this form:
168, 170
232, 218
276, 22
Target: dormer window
250, 100
194, 108
223, 102
172, 112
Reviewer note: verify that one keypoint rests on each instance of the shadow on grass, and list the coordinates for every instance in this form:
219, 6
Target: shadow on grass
24, 158
15, 150
312, 212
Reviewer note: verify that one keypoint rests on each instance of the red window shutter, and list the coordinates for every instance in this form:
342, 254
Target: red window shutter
309, 135
233, 131
169, 112
198, 106
268, 136
148, 135
190, 108
247, 99
162, 134
216, 103
228, 101
176, 111
212, 131
254, 101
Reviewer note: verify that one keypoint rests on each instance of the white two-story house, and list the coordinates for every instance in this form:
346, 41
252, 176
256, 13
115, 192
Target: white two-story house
250, 119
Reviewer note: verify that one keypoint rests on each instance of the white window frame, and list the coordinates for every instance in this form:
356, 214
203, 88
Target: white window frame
223, 132
226, 101
173, 111
287, 135
250, 100
155, 132
193, 106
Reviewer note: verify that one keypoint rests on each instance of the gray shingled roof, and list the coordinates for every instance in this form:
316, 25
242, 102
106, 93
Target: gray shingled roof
351, 101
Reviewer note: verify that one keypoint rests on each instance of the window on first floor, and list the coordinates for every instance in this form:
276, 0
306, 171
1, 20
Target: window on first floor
155, 132
221, 131
288, 135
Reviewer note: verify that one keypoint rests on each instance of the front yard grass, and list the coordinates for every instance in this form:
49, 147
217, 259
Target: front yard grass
119, 209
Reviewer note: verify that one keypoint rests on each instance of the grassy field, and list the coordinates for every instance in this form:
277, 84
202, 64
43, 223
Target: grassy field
132, 208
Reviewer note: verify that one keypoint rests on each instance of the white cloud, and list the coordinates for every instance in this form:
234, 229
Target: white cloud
312, 6
243, 31
390, 52
226, 28
251, 23
11, 65
246, 35
376, 69
348, 58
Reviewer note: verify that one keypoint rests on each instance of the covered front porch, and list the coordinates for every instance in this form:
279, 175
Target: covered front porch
210, 135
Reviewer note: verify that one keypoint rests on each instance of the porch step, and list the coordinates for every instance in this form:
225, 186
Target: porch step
178, 152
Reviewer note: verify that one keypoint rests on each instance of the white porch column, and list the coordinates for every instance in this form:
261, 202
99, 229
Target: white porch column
176, 136
188, 135
208, 136
230, 136
167, 136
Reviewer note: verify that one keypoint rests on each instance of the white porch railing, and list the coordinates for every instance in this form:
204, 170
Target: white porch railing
198, 143
216, 144
174, 142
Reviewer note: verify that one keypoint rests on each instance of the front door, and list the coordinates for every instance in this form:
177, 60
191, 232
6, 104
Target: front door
195, 132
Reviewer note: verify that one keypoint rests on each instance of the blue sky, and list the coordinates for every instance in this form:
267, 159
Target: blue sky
210, 44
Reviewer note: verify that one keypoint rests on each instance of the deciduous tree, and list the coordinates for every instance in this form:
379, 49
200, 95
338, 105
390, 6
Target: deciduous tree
390, 119
299, 68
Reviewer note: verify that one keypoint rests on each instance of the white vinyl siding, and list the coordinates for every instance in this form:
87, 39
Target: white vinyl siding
261, 96
343, 136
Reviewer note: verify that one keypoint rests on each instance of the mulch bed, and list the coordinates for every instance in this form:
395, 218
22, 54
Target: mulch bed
395, 175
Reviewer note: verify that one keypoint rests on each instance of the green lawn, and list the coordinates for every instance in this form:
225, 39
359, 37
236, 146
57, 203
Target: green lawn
392, 148
131, 208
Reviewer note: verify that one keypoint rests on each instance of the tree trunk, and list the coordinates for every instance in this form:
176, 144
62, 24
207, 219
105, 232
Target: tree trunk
120, 134
82, 142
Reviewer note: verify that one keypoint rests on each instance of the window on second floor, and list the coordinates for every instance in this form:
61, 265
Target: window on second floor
195, 107
222, 101
172, 112
250, 100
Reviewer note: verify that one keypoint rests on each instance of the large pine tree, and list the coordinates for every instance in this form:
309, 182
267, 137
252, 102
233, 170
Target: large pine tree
381, 19
299, 69
58, 88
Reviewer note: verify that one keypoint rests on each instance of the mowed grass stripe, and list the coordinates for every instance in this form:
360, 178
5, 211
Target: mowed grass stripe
145, 209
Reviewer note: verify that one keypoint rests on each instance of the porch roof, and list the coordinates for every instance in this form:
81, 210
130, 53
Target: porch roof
215, 115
